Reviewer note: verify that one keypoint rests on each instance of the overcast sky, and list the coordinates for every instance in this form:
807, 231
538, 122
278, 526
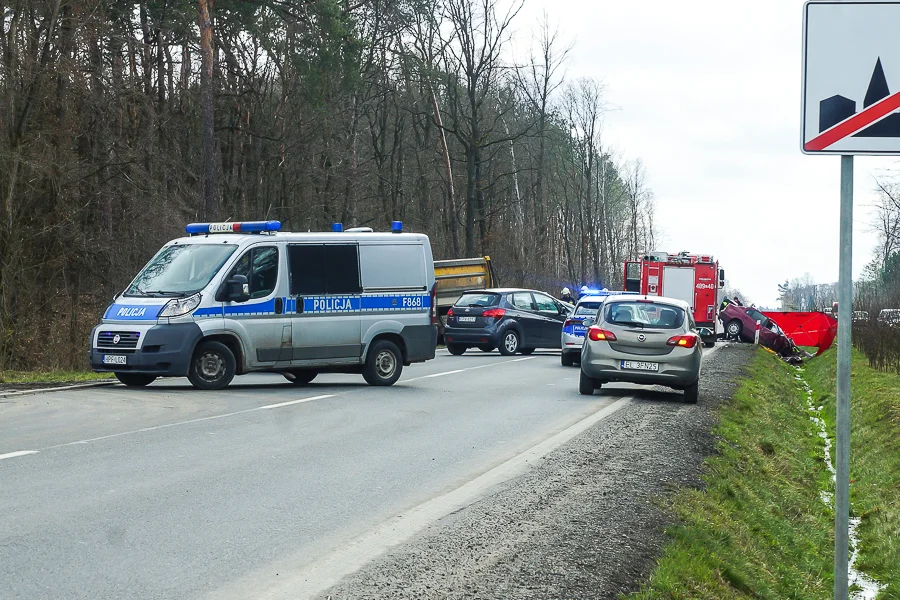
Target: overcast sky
707, 94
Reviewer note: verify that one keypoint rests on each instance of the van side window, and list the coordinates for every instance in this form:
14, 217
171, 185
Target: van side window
343, 270
260, 267
324, 269
307, 266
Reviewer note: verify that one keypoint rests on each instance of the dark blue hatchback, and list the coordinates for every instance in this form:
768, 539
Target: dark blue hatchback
511, 320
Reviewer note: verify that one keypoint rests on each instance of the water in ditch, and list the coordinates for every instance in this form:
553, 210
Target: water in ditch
866, 588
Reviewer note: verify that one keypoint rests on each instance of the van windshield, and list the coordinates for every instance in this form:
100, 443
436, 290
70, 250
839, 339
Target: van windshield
180, 270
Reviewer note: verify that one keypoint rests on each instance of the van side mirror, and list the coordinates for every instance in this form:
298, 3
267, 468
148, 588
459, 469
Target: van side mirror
237, 289
721, 278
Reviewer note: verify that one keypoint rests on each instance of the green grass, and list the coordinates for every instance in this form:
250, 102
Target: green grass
759, 528
874, 460
51, 376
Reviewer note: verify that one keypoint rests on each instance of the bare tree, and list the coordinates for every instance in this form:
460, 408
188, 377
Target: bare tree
475, 68
210, 169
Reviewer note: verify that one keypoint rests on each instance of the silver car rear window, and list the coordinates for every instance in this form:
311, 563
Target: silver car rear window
647, 314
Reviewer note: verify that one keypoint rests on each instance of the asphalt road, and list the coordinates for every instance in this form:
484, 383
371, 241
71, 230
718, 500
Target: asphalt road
264, 489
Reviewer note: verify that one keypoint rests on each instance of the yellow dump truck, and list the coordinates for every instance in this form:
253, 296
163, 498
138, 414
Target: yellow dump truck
456, 276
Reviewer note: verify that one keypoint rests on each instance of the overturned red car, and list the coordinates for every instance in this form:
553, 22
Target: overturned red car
740, 323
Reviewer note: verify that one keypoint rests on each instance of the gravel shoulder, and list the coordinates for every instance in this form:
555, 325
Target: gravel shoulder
587, 522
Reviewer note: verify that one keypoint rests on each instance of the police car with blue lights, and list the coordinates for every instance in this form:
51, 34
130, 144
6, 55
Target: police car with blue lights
235, 298
574, 330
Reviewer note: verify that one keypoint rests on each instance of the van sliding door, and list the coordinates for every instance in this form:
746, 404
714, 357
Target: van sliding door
325, 302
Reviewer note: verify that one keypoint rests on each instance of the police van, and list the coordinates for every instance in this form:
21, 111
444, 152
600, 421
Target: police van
235, 298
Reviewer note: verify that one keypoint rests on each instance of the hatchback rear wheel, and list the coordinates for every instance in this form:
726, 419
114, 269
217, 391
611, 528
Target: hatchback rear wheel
587, 385
456, 349
692, 393
567, 359
509, 344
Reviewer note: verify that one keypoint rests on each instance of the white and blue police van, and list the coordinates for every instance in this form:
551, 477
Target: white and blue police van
236, 298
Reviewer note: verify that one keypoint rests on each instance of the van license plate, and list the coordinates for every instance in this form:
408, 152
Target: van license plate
635, 365
466, 319
114, 359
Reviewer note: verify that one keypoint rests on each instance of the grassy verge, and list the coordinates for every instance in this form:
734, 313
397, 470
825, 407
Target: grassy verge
51, 376
874, 461
759, 529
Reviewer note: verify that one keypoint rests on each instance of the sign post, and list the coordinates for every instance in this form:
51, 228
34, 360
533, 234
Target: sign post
850, 53
845, 330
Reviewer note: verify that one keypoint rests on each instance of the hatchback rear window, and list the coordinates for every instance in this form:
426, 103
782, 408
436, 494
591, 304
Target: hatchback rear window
647, 314
478, 300
588, 309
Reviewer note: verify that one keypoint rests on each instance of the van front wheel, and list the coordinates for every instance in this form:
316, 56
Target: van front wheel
384, 364
212, 367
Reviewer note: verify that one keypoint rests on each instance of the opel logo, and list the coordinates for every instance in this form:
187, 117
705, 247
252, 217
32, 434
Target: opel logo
642, 338
116, 339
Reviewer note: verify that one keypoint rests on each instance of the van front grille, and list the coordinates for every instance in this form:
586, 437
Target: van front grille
118, 340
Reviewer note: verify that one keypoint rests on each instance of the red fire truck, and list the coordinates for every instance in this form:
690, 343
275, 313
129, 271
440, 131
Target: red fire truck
694, 278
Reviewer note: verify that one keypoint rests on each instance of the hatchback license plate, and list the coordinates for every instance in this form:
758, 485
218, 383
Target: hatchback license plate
636, 365
466, 319
114, 359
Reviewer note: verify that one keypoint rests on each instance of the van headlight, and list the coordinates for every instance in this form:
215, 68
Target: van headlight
180, 306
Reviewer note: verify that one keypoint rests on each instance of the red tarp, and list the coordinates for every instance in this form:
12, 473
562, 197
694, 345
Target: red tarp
807, 328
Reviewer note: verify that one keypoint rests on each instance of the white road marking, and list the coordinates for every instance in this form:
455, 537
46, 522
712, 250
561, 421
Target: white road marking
19, 453
442, 374
307, 581
300, 401
455, 371
188, 422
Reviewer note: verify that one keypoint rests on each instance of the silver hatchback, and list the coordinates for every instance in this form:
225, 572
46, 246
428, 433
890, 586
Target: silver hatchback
645, 340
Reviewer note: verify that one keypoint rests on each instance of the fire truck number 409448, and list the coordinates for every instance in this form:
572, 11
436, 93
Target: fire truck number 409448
694, 278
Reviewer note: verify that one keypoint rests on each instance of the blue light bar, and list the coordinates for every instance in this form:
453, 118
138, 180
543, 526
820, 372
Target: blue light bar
397, 226
337, 227
241, 227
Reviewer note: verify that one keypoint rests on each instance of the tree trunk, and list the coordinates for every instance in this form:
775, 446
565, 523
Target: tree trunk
210, 173
448, 173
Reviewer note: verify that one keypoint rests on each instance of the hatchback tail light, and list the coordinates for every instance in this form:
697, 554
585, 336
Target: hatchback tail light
571, 322
450, 312
599, 335
494, 313
683, 341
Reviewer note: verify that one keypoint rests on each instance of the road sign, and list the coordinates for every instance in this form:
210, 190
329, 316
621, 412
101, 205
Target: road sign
851, 78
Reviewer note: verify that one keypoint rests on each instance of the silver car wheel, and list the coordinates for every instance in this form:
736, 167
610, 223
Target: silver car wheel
734, 328
511, 342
